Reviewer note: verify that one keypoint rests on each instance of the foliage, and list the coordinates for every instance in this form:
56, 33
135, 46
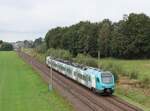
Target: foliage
28, 44
86, 60
131, 37
59, 53
79, 38
41, 48
104, 37
145, 83
39, 45
1, 41
128, 38
134, 96
134, 69
5, 46
133, 74
37, 42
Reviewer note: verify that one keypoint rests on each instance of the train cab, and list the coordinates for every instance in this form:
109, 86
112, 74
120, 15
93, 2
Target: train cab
105, 83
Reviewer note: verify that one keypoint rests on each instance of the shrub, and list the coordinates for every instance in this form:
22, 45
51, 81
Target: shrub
6, 47
41, 48
86, 60
145, 82
59, 53
133, 74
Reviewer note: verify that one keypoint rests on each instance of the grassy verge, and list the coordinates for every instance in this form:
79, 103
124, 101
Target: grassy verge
21, 89
130, 100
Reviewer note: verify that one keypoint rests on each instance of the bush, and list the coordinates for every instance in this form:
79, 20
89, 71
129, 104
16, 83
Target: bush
41, 48
133, 74
86, 60
145, 83
59, 53
6, 47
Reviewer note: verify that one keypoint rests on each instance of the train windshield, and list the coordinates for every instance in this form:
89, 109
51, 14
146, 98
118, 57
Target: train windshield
107, 77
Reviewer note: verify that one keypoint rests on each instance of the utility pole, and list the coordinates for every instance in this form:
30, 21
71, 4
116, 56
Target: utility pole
98, 59
51, 79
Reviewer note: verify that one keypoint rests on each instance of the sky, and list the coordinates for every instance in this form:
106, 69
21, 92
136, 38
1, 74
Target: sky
31, 19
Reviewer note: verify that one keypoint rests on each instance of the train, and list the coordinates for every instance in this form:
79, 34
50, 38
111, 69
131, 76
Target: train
97, 80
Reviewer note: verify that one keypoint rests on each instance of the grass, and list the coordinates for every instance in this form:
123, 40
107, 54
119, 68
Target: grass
21, 88
134, 96
140, 66
134, 69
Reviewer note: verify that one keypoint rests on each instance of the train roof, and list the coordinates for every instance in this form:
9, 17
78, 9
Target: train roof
81, 66
89, 70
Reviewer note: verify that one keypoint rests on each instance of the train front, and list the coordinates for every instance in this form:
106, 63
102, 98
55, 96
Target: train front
106, 83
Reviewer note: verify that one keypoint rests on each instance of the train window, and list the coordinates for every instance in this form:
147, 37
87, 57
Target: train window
63, 68
107, 77
69, 70
80, 75
75, 73
97, 80
85, 77
89, 78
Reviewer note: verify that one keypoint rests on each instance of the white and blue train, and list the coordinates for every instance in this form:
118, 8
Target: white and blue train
95, 79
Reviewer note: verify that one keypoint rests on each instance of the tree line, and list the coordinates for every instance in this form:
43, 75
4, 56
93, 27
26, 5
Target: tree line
4, 46
128, 38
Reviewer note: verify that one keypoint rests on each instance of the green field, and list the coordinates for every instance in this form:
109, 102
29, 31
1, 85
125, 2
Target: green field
142, 67
139, 96
21, 88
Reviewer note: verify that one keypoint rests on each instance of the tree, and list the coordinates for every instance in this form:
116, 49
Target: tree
1, 41
78, 38
28, 44
137, 36
6, 47
131, 37
128, 38
37, 42
117, 42
104, 37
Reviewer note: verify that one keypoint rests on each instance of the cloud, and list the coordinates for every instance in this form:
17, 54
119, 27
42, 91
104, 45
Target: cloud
29, 19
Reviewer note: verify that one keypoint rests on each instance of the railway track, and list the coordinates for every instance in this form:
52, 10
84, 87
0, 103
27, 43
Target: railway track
66, 87
94, 102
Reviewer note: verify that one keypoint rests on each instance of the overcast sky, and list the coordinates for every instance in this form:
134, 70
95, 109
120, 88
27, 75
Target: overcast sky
30, 19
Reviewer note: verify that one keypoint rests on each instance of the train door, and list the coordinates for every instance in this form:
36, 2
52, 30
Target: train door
93, 81
85, 78
98, 85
